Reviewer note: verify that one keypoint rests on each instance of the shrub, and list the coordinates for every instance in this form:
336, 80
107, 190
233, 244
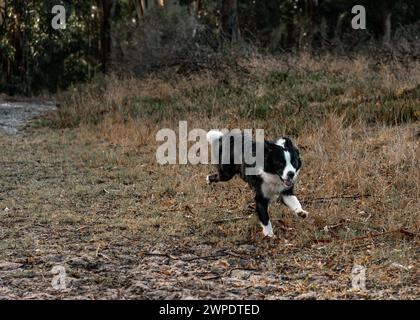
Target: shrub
162, 38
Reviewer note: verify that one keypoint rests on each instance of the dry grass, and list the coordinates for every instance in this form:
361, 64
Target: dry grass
93, 198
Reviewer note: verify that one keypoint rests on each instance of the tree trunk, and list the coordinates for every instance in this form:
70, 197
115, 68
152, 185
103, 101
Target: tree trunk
386, 13
386, 25
312, 23
17, 39
106, 6
230, 22
139, 5
2, 12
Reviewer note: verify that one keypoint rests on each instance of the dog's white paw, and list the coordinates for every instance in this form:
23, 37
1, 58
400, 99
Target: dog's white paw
302, 213
268, 230
208, 179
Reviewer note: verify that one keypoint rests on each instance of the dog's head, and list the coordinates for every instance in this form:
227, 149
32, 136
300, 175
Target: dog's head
284, 160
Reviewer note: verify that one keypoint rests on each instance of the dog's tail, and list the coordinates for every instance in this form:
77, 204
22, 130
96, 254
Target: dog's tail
213, 135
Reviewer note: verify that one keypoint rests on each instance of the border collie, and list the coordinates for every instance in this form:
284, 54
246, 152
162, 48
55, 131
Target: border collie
276, 178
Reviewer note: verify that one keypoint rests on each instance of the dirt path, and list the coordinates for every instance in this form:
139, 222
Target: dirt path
16, 115
119, 226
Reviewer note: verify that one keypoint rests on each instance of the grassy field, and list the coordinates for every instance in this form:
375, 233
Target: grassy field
82, 189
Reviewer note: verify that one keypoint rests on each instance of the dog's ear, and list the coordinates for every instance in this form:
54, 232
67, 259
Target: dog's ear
289, 143
285, 142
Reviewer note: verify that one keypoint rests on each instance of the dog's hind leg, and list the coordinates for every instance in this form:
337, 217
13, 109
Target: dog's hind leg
262, 211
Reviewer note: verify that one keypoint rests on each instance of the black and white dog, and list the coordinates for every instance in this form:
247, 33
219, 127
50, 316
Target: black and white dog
275, 178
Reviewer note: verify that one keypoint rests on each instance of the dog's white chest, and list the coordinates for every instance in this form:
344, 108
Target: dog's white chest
271, 190
272, 185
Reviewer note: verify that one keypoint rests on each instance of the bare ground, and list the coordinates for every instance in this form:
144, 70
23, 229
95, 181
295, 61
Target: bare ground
124, 227
93, 201
14, 115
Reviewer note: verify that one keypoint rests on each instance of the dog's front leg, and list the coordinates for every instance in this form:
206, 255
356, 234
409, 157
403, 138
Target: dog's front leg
262, 211
293, 204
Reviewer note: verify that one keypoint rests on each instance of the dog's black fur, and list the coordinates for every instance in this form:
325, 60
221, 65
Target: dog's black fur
275, 163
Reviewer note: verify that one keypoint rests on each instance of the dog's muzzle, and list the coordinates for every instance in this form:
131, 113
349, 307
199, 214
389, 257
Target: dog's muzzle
288, 183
